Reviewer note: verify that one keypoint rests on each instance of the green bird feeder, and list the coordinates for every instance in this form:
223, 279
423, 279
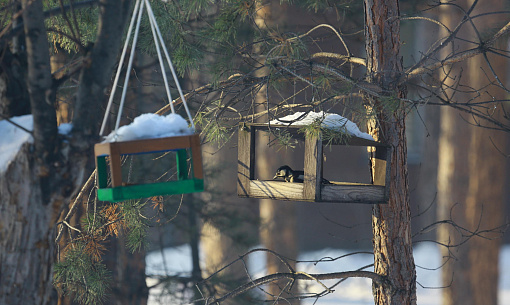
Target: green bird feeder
120, 190
108, 154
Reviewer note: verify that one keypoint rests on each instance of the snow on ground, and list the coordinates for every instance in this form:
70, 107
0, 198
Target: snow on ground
357, 291
12, 138
149, 126
331, 121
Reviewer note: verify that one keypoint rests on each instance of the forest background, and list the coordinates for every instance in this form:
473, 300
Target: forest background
225, 226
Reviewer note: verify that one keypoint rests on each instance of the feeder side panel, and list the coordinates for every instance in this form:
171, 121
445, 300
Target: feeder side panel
182, 164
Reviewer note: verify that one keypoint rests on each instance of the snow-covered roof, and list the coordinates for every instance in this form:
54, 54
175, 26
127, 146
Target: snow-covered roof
149, 126
331, 121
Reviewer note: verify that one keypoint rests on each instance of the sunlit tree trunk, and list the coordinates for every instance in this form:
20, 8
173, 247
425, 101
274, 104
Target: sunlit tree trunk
453, 173
391, 222
277, 233
471, 182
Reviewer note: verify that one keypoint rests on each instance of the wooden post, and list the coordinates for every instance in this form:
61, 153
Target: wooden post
382, 168
246, 159
196, 157
313, 168
115, 165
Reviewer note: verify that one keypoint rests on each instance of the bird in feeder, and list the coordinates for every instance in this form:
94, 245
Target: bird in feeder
289, 175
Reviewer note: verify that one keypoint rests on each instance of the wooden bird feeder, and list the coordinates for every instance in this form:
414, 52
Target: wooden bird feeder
120, 190
312, 188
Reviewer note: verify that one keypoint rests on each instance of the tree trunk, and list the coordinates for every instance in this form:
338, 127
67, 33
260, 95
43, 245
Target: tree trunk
471, 175
128, 268
35, 187
453, 173
391, 222
27, 235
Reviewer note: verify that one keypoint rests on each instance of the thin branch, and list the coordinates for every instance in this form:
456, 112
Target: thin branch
381, 280
17, 125
355, 60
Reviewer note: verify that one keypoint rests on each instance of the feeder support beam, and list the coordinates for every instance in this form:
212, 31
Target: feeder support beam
246, 159
313, 168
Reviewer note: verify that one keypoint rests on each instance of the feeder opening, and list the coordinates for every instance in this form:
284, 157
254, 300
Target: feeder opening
153, 167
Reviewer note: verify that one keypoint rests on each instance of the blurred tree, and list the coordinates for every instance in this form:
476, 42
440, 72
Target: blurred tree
472, 165
289, 58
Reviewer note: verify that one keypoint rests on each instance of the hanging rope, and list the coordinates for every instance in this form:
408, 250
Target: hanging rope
117, 75
159, 43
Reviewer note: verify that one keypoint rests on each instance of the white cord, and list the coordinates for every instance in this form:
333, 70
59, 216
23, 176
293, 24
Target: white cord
160, 58
119, 69
130, 65
153, 21
159, 42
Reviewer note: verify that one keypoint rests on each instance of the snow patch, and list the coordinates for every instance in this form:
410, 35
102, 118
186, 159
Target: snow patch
150, 126
65, 128
331, 121
353, 291
13, 138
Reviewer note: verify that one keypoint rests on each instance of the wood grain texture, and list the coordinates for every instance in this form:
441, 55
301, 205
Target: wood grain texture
196, 155
245, 159
276, 190
352, 193
340, 192
115, 166
313, 168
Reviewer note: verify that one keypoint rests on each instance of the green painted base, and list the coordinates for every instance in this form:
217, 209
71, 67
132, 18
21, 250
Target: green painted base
122, 193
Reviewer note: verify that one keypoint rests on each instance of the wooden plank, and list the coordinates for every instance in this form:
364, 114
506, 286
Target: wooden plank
145, 145
352, 193
101, 149
313, 168
380, 166
153, 145
196, 155
245, 159
115, 165
276, 190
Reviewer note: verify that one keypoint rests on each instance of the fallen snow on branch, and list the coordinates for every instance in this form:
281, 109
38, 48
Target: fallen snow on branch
149, 126
331, 121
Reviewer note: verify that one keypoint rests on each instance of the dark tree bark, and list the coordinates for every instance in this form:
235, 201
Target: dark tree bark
391, 222
37, 185
93, 81
14, 99
41, 92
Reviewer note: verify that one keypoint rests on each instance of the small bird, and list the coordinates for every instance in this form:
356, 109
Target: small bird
289, 175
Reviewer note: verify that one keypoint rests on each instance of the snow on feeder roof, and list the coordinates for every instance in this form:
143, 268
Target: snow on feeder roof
151, 126
149, 133
331, 121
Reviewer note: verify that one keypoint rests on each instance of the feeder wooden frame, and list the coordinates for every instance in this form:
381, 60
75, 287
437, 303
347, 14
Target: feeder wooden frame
311, 189
120, 190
